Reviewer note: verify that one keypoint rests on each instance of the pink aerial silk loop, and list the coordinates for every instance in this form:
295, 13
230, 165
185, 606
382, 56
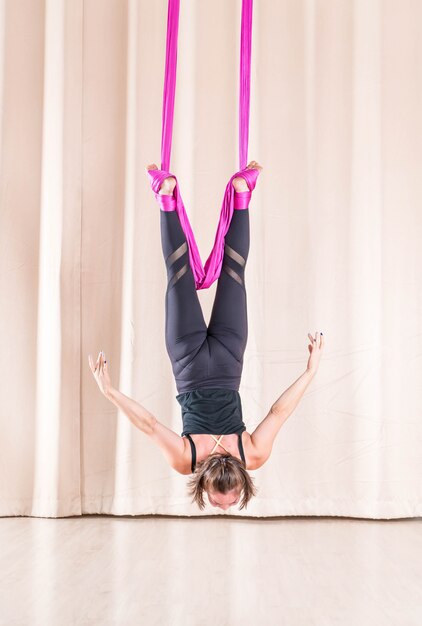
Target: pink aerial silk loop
205, 275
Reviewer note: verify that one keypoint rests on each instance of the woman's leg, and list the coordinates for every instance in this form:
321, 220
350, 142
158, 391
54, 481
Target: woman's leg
229, 322
185, 327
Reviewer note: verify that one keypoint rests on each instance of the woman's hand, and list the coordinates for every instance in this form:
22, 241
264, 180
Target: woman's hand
315, 351
100, 372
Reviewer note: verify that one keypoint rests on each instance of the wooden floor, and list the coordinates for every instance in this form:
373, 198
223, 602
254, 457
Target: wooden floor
210, 571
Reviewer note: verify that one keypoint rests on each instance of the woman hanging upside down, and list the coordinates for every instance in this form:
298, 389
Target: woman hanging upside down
207, 365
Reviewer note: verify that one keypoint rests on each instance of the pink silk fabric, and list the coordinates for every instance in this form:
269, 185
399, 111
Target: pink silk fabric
206, 274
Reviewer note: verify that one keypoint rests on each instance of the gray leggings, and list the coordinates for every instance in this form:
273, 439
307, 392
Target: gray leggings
204, 357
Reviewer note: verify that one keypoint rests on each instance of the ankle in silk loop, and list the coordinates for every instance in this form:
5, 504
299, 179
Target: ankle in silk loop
167, 203
241, 199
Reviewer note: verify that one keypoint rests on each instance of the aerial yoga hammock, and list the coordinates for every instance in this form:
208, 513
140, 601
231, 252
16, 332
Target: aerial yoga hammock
205, 275
207, 362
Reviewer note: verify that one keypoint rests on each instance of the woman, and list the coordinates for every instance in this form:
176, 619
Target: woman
207, 364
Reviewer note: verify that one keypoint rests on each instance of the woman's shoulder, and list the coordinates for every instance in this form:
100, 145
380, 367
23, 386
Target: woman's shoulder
253, 459
183, 465
175, 448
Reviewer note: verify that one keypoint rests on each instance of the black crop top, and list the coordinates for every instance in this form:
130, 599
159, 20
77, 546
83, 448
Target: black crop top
193, 450
211, 411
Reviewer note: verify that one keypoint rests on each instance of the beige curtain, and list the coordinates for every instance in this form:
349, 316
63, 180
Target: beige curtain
336, 234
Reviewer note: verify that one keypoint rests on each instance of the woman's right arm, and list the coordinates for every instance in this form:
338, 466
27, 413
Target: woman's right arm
171, 444
138, 415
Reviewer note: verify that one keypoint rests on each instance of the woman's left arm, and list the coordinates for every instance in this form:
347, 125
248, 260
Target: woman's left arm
263, 436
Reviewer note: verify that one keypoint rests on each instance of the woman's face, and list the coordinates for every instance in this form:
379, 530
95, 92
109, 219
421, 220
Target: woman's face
223, 500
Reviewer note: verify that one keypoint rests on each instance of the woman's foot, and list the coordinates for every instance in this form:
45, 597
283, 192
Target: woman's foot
240, 184
168, 184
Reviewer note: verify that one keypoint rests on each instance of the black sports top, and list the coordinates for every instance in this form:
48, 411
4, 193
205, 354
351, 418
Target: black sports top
211, 411
193, 449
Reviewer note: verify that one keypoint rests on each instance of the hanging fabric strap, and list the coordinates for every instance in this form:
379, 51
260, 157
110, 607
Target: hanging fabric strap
169, 82
205, 275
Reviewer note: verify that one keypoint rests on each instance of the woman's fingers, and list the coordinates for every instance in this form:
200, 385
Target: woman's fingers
318, 339
91, 364
99, 363
102, 361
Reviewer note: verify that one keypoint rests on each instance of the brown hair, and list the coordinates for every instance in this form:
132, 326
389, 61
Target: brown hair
221, 473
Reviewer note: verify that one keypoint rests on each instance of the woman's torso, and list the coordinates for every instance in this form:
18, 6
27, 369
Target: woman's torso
206, 412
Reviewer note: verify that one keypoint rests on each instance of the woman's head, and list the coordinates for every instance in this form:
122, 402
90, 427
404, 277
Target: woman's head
225, 480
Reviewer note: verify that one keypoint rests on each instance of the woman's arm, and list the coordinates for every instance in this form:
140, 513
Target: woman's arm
171, 444
263, 436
